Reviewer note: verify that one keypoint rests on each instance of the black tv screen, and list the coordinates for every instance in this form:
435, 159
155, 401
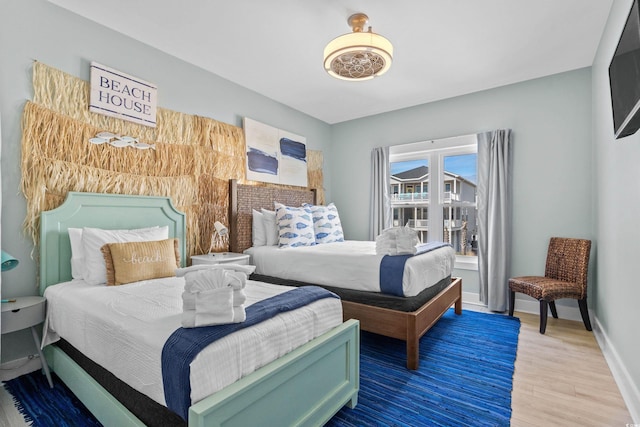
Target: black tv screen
624, 77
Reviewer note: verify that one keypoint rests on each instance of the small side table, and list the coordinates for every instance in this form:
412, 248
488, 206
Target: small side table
26, 312
220, 258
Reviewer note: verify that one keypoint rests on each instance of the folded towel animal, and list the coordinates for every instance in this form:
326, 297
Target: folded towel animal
247, 269
213, 297
202, 280
397, 241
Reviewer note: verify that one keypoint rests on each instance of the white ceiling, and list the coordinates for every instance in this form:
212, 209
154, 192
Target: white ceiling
442, 48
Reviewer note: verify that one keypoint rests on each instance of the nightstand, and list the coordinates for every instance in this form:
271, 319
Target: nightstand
220, 258
26, 312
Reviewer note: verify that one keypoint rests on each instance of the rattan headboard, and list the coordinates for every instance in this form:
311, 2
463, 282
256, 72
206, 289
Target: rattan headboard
243, 198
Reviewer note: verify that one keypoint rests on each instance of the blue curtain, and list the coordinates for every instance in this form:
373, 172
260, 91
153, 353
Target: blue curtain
380, 209
494, 217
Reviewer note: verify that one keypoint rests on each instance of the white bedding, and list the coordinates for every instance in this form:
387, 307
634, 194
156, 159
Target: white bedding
350, 264
123, 329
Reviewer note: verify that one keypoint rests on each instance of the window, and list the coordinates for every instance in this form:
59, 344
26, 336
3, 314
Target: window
448, 211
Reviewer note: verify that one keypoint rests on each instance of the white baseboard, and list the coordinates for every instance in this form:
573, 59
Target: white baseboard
530, 306
471, 298
629, 390
15, 368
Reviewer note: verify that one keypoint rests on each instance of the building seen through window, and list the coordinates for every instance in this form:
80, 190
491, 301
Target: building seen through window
434, 191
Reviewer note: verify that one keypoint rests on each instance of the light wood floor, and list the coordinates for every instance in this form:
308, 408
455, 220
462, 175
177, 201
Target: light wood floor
561, 379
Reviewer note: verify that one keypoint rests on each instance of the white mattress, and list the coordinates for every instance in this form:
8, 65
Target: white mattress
123, 329
350, 264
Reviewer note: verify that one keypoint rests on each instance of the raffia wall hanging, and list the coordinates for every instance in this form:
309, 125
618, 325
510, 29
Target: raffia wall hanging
194, 157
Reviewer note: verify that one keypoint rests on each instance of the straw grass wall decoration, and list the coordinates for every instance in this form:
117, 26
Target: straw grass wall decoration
193, 161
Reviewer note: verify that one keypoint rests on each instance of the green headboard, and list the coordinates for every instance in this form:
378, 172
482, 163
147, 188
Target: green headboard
107, 211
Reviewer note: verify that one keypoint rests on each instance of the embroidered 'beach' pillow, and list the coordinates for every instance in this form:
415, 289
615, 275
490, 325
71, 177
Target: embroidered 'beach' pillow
135, 261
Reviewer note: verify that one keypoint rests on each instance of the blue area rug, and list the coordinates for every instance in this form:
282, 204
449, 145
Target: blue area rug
42, 406
465, 378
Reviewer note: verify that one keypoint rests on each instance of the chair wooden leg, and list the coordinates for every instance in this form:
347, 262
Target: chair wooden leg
554, 312
584, 312
512, 302
543, 316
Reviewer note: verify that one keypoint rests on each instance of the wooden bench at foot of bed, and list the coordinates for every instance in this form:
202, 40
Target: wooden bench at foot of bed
407, 326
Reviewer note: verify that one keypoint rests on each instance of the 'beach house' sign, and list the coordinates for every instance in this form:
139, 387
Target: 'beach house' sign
116, 94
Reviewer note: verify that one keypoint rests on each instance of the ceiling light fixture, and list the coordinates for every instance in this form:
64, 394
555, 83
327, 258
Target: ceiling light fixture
360, 55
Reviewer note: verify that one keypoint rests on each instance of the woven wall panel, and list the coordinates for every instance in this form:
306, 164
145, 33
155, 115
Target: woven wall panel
193, 159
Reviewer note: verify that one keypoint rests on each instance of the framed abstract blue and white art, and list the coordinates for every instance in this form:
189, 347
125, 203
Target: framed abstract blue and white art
275, 155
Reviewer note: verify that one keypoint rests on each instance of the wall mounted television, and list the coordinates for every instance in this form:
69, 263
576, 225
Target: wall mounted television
624, 77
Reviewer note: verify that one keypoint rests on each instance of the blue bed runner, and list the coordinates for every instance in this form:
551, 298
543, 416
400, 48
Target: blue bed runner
185, 343
392, 268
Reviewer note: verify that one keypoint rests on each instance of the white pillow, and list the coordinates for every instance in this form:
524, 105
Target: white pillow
258, 232
77, 253
295, 226
270, 226
326, 223
95, 270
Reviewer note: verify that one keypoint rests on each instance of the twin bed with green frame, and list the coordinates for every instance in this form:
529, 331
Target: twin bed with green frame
312, 382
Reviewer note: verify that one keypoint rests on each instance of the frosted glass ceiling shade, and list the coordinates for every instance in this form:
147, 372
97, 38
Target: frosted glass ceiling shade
359, 55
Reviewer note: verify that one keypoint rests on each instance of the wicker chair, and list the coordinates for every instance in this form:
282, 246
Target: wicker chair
565, 276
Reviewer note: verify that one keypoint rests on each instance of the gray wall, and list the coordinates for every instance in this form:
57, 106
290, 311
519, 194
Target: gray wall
551, 122
617, 188
37, 30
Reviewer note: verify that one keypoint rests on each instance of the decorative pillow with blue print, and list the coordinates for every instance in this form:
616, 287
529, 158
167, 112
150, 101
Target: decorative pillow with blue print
326, 223
295, 226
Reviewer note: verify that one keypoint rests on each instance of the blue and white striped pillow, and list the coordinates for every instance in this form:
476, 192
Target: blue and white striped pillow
326, 223
295, 226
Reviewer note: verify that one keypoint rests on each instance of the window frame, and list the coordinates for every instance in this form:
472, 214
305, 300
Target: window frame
434, 152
